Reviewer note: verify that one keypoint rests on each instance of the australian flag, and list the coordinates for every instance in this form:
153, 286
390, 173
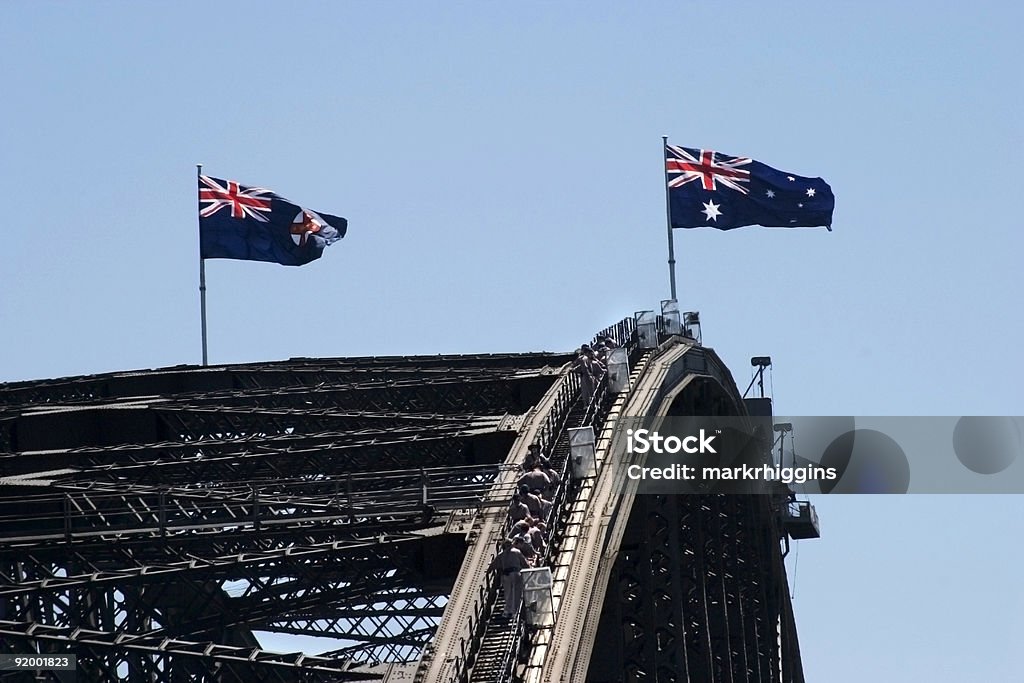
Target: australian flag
715, 190
254, 224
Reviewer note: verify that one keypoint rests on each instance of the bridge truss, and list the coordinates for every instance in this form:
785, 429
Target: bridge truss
182, 524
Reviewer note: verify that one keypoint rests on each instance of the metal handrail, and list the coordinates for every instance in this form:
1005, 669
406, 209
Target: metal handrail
550, 433
568, 488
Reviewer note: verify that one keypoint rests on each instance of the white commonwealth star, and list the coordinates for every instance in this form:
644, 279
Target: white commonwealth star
711, 211
810, 192
769, 194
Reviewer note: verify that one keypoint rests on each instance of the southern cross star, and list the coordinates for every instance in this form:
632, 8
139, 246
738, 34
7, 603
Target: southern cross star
769, 193
810, 192
711, 211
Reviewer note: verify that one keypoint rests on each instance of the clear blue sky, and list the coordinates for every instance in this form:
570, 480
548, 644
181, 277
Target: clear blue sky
500, 166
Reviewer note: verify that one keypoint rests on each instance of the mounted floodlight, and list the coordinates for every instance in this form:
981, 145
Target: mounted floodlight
783, 427
759, 362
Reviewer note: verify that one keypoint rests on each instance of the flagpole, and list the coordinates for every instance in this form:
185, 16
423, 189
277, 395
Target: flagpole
668, 219
202, 274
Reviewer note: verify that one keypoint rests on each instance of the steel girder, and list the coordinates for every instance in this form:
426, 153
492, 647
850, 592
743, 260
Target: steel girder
309, 373
73, 513
495, 388
29, 573
271, 457
279, 414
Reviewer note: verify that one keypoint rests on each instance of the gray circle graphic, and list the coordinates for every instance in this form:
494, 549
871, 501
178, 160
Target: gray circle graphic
867, 461
986, 445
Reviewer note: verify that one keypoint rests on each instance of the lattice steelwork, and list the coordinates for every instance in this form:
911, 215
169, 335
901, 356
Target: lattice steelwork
154, 523
697, 594
158, 524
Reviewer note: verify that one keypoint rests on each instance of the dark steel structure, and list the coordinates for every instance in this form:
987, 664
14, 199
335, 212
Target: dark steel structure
158, 524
